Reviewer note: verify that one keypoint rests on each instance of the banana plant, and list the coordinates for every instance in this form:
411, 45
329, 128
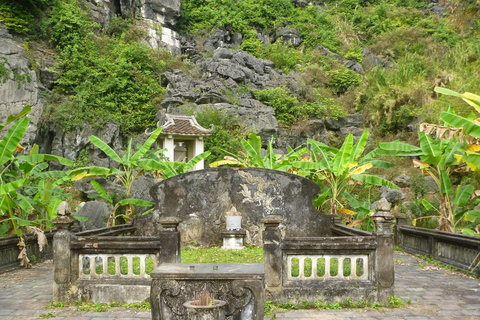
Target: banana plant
338, 170
26, 188
130, 166
468, 127
439, 159
252, 157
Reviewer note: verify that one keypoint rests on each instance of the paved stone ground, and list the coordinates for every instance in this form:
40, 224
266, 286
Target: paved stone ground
435, 294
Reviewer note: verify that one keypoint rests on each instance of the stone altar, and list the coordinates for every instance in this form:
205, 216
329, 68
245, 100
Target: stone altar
240, 285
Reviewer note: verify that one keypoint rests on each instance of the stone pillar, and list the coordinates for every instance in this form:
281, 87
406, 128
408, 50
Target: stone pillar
198, 150
169, 145
62, 264
170, 239
272, 252
384, 262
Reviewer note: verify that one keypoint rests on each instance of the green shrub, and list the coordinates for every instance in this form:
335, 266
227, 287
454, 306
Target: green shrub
343, 79
282, 102
105, 78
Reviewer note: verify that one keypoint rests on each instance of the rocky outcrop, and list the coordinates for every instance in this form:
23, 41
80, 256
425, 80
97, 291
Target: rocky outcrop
53, 139
369, 60
351, 64
240, 67
19, 85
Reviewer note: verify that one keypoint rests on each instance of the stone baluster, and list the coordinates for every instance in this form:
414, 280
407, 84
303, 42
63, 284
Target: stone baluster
170, 240
384, 262
272, 252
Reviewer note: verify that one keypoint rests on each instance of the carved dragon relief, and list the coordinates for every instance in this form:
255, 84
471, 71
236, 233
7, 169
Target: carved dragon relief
174, 294
259, 197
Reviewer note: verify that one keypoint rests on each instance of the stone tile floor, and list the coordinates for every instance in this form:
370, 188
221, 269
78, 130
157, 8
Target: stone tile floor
435, 294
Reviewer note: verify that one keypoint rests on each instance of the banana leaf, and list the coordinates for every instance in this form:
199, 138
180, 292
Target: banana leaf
135, 202
469, 127
370, 179
101, 192
11, 186
12, 117
105, 148
445, 183
359, 146
37, 158
9, 143
146, 146
397, 148
341, 159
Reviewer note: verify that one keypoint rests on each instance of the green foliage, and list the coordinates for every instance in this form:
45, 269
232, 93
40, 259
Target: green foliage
342, 79
284, 57
438, 159
252, 157
217, 255
284, 104
131, 165
18, 15
334, 170
251, 44
3, 69
105, 78
227, 135
29, 195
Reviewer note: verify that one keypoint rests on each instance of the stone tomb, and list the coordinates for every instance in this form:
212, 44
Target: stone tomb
201, 200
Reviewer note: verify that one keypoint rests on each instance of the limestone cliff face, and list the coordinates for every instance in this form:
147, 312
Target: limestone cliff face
19, 85
157, 18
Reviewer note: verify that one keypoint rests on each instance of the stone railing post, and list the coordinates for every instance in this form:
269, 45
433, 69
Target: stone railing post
384, 262
272, 252
401, 221
62, 257
170, 239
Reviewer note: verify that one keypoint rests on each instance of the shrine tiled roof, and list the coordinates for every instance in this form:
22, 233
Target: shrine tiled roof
184, 125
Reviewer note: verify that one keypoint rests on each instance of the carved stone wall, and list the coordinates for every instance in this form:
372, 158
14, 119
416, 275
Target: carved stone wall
201, 198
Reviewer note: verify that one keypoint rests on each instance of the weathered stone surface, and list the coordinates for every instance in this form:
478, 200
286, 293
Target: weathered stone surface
352, 120
298, 134
289, 36
351, 64
403, 181
20, 86
369, 60
53, 139
201, 199
97, 213
391, 195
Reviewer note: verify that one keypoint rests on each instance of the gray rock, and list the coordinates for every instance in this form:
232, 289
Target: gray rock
352, 120
432, 187
298, 134
403, 181
289, 35
97, 213
437, 7
218, 38
392, 195
369, 60
141, 190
